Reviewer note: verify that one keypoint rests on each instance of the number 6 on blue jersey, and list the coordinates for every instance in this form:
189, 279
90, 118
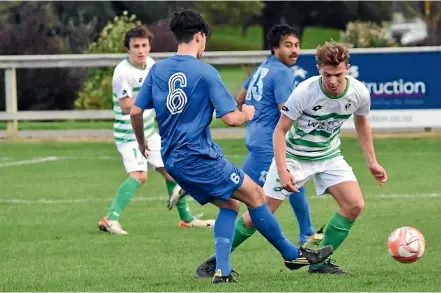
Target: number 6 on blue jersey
176, 98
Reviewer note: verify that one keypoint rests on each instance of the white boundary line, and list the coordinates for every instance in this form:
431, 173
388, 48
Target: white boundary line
6, 161
164, 198
73, 201
30, 161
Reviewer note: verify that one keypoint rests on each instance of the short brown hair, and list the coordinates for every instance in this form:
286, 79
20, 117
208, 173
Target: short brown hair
331, 53
140, 31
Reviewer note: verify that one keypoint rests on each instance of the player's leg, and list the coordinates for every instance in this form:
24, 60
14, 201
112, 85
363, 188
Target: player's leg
244, 225
212, 180
342, 184
136, 167
300, 205
185, 215
177, 193
221, 180
154, 160
243, 229
223, 236
256, 166
186, 218
253, 196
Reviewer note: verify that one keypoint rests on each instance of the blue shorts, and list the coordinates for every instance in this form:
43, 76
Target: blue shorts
257, 166
206, 178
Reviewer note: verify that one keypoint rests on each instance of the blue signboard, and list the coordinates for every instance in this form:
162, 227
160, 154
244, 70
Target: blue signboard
395, 80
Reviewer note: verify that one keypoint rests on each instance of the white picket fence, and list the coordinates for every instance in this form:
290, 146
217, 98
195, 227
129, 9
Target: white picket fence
10, 63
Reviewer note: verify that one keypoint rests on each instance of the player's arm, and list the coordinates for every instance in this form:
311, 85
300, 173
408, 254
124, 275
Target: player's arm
240, 98
126, 104
143, 101
364, 133
123, 92
291, 111
283, 87
224, 103
237, 118
137, 123
286, 180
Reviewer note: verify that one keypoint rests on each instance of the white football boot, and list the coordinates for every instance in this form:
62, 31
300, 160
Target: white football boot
177, 194
111, 226
196, 223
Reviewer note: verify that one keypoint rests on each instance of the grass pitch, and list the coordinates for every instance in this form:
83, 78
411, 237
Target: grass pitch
52, 195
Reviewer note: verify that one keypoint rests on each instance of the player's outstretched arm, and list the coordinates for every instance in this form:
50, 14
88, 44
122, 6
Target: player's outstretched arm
364, 133
287, 180
237, 118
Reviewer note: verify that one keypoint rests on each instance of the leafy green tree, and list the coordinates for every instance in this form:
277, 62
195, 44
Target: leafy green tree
229, 12
359, 34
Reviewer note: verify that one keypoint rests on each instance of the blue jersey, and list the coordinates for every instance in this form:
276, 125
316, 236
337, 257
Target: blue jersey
184, 92
270, 85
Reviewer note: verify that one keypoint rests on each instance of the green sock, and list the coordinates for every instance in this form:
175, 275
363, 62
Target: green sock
241, 233
336, 231
182, 206
122, 198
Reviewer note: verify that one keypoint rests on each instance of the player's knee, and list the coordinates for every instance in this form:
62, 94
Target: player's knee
273, 204
257, 196
355, 209
234, 205
231, 204
141, 177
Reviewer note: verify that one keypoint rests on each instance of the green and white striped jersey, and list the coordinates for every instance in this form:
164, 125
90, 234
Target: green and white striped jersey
127, 81
315, 134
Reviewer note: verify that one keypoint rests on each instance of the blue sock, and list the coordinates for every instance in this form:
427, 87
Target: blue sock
223, 239
300, 205
267, 225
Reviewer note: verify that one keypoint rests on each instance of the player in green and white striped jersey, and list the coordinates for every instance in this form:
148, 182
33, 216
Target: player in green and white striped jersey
128, 77
307, 144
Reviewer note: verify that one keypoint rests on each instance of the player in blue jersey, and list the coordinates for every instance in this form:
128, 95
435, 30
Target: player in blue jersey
267, 89
184, 92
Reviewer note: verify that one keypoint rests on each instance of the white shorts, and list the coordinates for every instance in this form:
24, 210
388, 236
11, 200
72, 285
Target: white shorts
325, 173
135, 161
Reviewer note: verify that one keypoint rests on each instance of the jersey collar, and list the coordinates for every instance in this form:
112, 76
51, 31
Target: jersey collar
334, 97
137, 67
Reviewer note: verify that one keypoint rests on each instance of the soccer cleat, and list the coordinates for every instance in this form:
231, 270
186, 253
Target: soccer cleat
329, 267
111, 226
176, 195
309, 256
313, 239
196, 223
218, 278
207, 268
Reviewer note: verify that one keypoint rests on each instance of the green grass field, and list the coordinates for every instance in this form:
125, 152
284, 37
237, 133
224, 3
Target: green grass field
52, 195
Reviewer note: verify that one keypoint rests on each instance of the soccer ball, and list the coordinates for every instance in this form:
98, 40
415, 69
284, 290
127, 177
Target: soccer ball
406, 244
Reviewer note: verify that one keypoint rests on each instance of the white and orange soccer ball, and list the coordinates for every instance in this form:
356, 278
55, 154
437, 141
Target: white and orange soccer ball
406, 244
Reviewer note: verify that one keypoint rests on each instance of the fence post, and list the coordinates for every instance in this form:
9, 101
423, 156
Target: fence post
11, 101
